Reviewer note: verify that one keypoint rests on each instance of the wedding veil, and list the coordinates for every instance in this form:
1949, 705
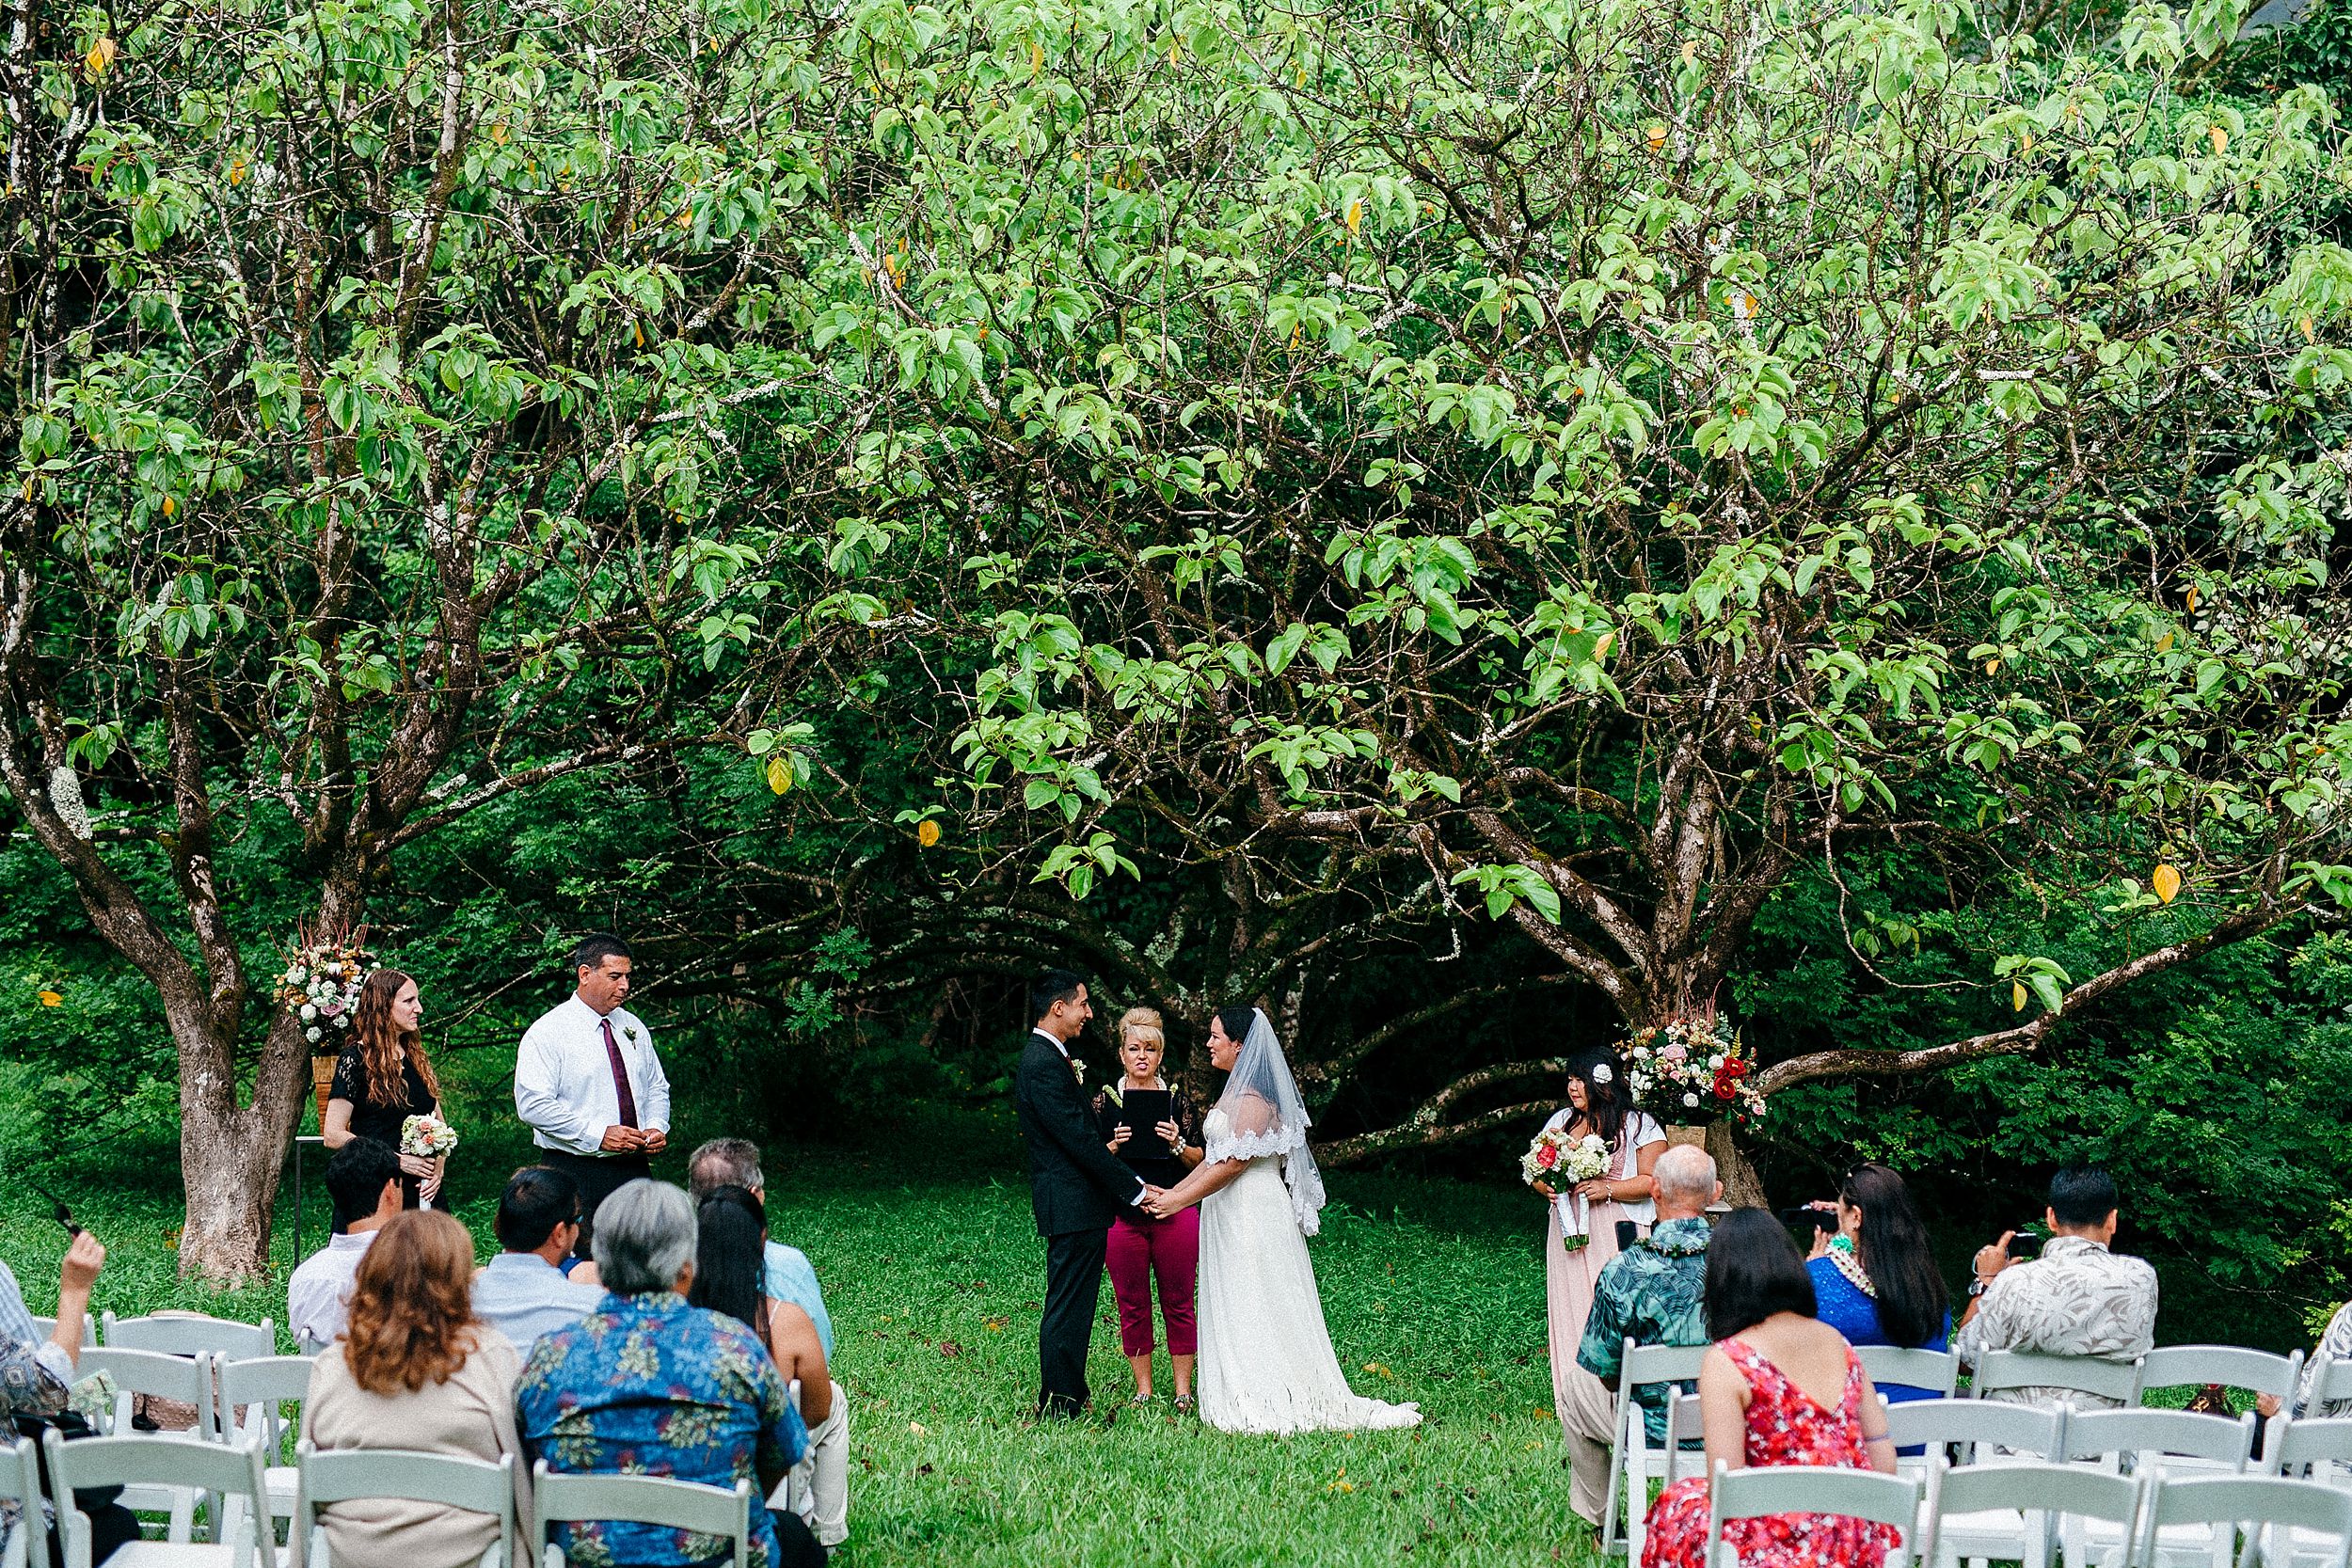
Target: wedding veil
1264, 1115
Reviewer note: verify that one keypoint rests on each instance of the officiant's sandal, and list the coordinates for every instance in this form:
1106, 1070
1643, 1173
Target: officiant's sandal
1184, 1404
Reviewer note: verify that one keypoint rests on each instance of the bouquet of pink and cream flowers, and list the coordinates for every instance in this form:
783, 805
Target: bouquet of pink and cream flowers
427, 1135
1564, 1161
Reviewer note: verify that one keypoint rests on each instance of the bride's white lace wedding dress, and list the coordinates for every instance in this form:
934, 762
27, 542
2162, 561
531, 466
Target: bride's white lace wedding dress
1266, 1363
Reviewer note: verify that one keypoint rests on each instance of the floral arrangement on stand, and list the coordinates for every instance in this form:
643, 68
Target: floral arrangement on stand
1693, 1070
1566, 1162
320, 987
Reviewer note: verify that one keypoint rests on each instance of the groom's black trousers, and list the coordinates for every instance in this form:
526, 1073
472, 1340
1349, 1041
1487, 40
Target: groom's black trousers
1074, 1289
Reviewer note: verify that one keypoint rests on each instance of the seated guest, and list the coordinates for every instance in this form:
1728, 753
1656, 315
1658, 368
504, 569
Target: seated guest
417, 1371
728, 1274
2335, 1344
37, 1379
2078, 1298
735, 1161
1876, 1280
647, 1384
363, 1183
522, 1292
1654, 1291
1779, 1387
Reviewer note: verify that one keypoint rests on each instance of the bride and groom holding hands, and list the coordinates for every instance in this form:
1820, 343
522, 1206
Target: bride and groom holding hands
1265, 1358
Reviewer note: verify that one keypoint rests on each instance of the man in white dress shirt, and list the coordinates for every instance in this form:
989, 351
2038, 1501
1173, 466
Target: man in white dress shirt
588, 1085
363, 1182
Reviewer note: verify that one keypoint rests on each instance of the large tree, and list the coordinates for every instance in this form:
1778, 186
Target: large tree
402, 424
1593, 463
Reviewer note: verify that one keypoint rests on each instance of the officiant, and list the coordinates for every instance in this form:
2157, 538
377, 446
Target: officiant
588, 1084
1156, 1131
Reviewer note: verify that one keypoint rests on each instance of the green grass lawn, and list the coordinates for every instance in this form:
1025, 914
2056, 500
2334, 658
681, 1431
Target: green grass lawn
1433, 1292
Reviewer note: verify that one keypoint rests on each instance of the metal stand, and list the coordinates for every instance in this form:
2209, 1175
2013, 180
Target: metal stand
299, 1140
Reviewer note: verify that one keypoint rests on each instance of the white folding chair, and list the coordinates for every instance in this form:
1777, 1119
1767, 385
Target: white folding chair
191, 1333
570, 1499
1633, 1463
1977, 1433
352, 1475
2040, 1493
231, 1474
2317, 1450
251, 1395
1759, 1490
797, 1492
1934, 1370
1684, 1426
2002, 1370
27, 1545
2164, 1444
2332, 1381
2320, 1515
2231, 1365
153, 1374
47, 1329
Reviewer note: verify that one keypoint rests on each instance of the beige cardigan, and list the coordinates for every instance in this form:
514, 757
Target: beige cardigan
471, 1416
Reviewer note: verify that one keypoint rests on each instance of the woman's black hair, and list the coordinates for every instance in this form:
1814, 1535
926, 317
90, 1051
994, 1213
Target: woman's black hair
1610, 1103
1238, 1020
1912, 1300
730, 1260
1753, 1271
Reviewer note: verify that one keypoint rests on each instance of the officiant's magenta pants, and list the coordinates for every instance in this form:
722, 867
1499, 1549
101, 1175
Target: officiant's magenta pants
1140, 1248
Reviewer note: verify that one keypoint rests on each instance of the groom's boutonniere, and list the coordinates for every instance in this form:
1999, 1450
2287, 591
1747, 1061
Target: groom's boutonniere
1078, 1071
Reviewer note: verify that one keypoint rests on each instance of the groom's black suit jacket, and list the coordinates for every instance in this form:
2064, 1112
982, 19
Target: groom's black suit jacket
1075, 1183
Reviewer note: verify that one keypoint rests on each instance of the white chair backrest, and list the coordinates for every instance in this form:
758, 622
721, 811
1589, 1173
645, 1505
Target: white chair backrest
251, 1392
2259, 1503
2231, 1365
2153, 1434
2027, 1428
2291, 1448
189, 1336
1934, 1370
1683, 1426
230, 1470
1746, 1493
2083, 1375
2052, 1491
350, 1475
1648, 1364
565, 1500
19, 1484
188, 1380
2331, 1381
46, 1329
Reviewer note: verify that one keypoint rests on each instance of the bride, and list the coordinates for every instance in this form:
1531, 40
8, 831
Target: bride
1266, 1363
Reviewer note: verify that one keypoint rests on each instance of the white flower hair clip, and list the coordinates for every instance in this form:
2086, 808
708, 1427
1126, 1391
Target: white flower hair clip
1603, 1073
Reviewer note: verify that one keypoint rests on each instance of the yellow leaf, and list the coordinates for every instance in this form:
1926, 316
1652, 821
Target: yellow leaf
1355, 216
2219, 137
1657, 139
2166, 882
2192, 596
1601, 644
29, 489
236, 171
1743, 305
2306, 324
2164, 643
1992, 666
2017, 995
51, 999
1294, 337
1037, 58
927, 834
640, 330
2029, 142
1175, 50
101, 55
779, 774
1690, 51
498, 132
170, 506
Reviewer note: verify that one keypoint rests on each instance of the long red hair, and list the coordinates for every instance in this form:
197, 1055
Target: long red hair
412, 1304
383, 1044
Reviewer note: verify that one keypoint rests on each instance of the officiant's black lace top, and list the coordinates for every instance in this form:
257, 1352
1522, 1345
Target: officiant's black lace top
1147, 1156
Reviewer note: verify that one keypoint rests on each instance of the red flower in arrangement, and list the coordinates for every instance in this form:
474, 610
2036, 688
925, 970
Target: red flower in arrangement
1547, 1156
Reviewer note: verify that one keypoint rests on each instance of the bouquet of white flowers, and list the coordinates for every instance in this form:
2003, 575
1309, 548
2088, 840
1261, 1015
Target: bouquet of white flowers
320, 985
427, 1135
1566, 1162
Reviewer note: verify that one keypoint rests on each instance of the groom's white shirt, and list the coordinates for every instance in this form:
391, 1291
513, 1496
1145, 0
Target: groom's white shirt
564, 1080
1142, 1191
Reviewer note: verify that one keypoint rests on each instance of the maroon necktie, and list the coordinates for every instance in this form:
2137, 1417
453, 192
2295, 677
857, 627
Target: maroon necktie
620, 1073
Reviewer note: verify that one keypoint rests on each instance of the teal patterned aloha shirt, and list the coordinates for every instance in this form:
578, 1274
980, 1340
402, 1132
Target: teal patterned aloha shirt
649, 1385
1657, 1292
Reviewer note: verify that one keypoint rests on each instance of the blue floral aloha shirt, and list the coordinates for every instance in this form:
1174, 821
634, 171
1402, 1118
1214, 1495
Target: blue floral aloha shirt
648, 1386
1655, 1291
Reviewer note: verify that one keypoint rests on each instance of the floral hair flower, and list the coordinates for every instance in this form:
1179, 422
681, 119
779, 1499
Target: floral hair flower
1603, 1073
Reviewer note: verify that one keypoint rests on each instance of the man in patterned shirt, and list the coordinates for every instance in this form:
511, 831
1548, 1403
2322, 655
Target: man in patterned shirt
2077, 1299
647, 1384
1654, 1292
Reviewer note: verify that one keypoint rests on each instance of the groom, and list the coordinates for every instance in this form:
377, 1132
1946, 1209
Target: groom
1076, 1184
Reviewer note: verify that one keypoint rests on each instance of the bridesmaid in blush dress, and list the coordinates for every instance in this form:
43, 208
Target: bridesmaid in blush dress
1598, 1102
1779, 1387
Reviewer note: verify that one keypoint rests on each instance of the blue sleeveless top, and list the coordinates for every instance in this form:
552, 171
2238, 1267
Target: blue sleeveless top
1845, 1308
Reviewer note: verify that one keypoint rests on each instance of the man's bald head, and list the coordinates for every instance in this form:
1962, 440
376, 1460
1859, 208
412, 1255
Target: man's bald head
1686, 1182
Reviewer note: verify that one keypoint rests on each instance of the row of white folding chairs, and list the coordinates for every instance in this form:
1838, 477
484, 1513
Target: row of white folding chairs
2283, 1521
229, 1475
1635, 1462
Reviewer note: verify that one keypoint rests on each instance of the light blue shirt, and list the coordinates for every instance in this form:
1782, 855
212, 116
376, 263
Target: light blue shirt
791, 1278
522, 1295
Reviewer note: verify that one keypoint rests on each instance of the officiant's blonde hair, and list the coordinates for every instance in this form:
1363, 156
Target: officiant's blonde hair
1145, 1021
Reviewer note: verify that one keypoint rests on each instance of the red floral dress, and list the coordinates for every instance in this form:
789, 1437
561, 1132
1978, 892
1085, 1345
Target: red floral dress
1785, 1427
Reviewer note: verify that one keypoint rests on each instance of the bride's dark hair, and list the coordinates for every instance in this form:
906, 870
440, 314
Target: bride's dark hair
1238, 1018
1607, 1102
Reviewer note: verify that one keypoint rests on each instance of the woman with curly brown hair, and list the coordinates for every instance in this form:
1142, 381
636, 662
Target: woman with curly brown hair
384, 1078
416, 1371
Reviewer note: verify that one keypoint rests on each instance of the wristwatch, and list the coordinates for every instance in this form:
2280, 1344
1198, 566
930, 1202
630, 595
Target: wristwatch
1978, 1286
